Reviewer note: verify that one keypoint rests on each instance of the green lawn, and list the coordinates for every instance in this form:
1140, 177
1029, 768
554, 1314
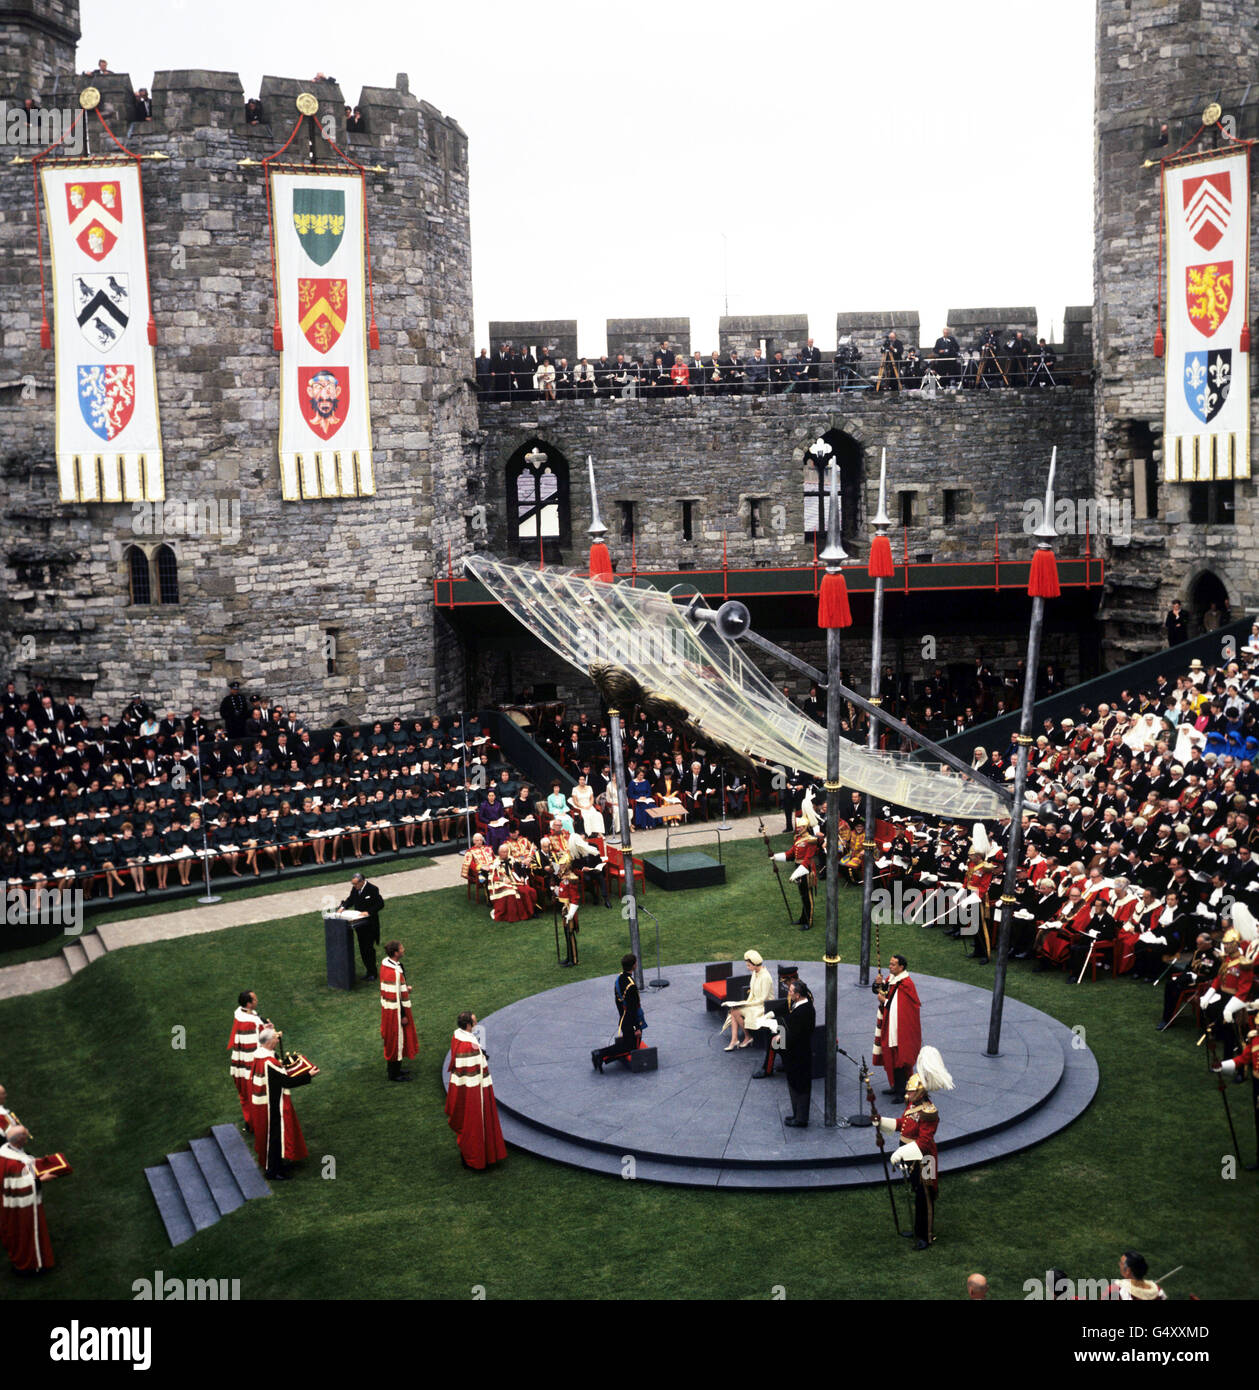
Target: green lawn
92, 1068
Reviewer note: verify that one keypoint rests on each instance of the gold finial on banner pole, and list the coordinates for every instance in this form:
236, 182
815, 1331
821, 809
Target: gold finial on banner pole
89, 98
1212, 114
307, 103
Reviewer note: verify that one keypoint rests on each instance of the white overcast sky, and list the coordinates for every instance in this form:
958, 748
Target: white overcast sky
637, 160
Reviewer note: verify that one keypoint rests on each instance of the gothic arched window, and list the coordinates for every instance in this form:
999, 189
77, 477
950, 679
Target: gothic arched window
167, 575
537, 495
847, 453
138, 580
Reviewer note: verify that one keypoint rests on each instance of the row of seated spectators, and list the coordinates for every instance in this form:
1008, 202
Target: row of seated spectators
101, 805
668, 778
1140, 854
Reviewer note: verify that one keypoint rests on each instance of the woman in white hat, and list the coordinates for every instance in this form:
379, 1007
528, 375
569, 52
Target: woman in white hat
749, 1014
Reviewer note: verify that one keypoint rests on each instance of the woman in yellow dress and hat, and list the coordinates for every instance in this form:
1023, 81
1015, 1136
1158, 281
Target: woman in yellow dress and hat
749, 1014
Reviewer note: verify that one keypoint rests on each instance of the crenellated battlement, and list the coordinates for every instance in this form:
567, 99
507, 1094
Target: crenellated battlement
195, 103
742, 333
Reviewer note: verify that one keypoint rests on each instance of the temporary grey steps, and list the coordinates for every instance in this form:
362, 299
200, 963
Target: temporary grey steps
93, 947
75, 957
195, 1189
218, 1176
170, 1205
240, 1160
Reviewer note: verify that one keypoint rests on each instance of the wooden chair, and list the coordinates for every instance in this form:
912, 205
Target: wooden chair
616, 869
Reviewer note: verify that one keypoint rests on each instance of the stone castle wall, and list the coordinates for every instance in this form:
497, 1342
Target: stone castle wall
990, 449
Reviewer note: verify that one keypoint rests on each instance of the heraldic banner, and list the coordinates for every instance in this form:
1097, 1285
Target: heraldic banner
1206, 206
109, 441
325, 423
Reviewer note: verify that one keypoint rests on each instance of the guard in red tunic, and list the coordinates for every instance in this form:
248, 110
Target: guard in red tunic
806, 849
898, 1032
242, 1043
278, 1137
23, 1228
1248, 1057
568, 898
470, 1107
917, 1130
397, 1022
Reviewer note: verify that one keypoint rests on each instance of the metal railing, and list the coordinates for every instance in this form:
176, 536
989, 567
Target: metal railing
874, 373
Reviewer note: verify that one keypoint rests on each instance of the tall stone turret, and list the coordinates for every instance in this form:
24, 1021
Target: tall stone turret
1161, 62
37, 41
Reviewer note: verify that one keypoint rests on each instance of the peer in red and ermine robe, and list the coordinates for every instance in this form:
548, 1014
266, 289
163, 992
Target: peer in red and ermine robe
277, 1135
397, 1022
898, 1033
242, 1043
470, 1106
23, 1227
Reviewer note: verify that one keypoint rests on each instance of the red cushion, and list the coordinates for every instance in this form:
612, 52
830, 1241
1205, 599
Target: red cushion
717, 988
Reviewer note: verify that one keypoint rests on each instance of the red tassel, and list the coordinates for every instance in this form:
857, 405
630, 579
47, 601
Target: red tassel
1159, 344
373, 337
277, 338
152, 332
45, 336
1245, 338
600, 562
1043, 580
880, 566
832, 602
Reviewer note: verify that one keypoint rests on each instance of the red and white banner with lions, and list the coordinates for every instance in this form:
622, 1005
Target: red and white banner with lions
109, 441
325, 421
1206, 209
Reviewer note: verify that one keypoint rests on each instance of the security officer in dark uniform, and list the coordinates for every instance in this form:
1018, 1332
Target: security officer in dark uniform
365, 897
235, 711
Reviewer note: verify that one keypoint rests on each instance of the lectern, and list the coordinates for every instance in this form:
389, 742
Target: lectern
338, 936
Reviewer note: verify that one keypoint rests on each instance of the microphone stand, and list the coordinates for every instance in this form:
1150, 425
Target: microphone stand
209, 897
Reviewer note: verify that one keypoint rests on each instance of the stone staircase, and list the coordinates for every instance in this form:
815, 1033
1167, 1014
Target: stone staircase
194, 1189
82, 952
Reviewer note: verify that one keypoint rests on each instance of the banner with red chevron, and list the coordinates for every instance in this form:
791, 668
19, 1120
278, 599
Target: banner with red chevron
108, 436
1206, 209
325, 419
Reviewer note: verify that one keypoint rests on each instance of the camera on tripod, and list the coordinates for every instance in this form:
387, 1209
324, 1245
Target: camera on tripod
847, 351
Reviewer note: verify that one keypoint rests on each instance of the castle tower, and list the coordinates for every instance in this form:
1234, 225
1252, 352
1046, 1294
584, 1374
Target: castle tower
326, 603
37, 42
1161, 62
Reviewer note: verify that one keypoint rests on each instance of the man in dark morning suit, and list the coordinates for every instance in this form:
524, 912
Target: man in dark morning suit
798, 1028
365, 897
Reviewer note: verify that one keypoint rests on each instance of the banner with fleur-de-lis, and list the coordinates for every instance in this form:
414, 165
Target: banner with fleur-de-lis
1206, 210
325, 422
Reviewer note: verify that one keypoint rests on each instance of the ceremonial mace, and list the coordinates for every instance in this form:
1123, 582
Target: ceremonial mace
1042, 584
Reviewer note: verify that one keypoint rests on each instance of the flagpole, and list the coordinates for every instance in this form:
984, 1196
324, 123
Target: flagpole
1042, 584
601, 568
881, 522
833, 615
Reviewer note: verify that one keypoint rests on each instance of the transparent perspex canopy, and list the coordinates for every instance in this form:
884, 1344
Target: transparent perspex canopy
644, 631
